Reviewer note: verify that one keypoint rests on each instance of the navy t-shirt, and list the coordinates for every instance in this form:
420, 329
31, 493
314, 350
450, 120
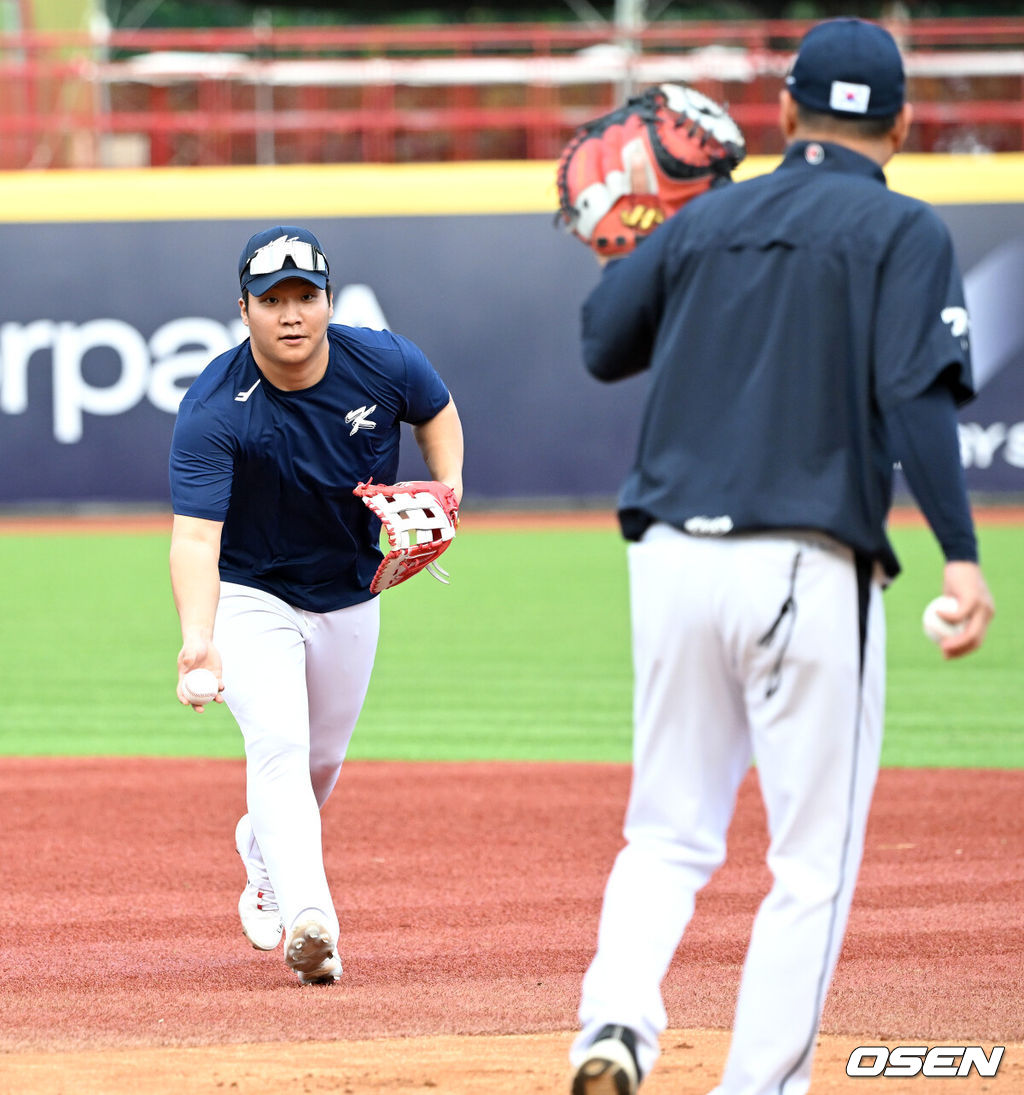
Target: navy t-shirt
781, 318
278, 467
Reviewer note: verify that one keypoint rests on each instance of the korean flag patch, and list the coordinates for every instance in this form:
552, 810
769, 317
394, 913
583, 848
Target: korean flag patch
849, 97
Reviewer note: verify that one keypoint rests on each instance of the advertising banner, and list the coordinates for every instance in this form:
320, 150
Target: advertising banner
106, 319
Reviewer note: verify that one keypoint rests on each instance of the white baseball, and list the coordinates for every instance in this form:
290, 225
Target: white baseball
937, 627
200, 686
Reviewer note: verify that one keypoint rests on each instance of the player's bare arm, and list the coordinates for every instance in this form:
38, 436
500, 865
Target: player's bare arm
440, 441
195, 582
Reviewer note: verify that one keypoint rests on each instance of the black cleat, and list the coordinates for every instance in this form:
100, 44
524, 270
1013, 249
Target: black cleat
610, 1066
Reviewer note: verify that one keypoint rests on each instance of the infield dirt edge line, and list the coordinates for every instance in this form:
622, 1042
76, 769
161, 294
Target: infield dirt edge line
525, 520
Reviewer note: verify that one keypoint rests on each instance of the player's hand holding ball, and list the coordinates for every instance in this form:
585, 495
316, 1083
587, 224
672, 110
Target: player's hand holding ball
936, 622
199, 687
958, 620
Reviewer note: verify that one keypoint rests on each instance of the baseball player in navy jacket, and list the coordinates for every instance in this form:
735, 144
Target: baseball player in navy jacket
803, 330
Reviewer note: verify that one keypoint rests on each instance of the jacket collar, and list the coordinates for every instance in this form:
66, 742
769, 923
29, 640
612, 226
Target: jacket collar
827, 156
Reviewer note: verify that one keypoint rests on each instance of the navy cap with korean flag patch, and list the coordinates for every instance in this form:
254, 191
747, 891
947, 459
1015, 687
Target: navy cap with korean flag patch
849, 68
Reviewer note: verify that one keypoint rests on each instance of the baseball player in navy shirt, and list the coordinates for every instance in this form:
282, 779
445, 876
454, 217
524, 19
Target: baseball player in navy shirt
272, 556
803, 330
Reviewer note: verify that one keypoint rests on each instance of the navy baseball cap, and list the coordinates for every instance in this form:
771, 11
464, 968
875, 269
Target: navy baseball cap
849, 68
279, 253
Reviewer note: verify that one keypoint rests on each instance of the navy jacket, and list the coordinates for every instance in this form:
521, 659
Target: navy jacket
782, 318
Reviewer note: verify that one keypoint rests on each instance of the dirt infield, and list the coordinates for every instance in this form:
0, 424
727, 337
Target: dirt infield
469, 896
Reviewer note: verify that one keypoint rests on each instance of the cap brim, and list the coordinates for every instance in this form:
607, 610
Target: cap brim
263, 283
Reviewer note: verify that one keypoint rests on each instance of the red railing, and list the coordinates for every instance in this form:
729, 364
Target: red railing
400, 94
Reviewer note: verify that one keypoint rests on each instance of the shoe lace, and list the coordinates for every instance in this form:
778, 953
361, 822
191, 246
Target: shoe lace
266, 901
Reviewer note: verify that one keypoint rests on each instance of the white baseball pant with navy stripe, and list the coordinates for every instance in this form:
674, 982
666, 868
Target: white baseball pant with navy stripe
295, 682
764, 648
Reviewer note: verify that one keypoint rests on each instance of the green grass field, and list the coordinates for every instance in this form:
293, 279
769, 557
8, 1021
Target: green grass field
525, 656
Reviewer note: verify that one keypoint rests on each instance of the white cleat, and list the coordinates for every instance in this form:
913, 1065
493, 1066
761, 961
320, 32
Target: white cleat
257, 907
261, 918
310, 951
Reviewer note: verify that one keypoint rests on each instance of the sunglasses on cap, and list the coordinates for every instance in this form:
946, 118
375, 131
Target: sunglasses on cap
272, 256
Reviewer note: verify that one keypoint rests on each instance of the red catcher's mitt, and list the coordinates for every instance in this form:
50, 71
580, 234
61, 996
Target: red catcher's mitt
624, 173
420, 518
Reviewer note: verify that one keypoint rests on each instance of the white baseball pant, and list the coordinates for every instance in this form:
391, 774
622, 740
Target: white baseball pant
295, 682
745, 648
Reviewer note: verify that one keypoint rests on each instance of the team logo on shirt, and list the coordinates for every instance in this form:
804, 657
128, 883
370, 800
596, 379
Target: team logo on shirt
359, 419
243, 397
958, 322
709, 526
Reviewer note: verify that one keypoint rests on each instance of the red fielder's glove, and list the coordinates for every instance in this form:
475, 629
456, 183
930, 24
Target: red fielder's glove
420, 518
624, 173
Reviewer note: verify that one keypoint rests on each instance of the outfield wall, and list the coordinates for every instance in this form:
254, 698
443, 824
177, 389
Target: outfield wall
118, 287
